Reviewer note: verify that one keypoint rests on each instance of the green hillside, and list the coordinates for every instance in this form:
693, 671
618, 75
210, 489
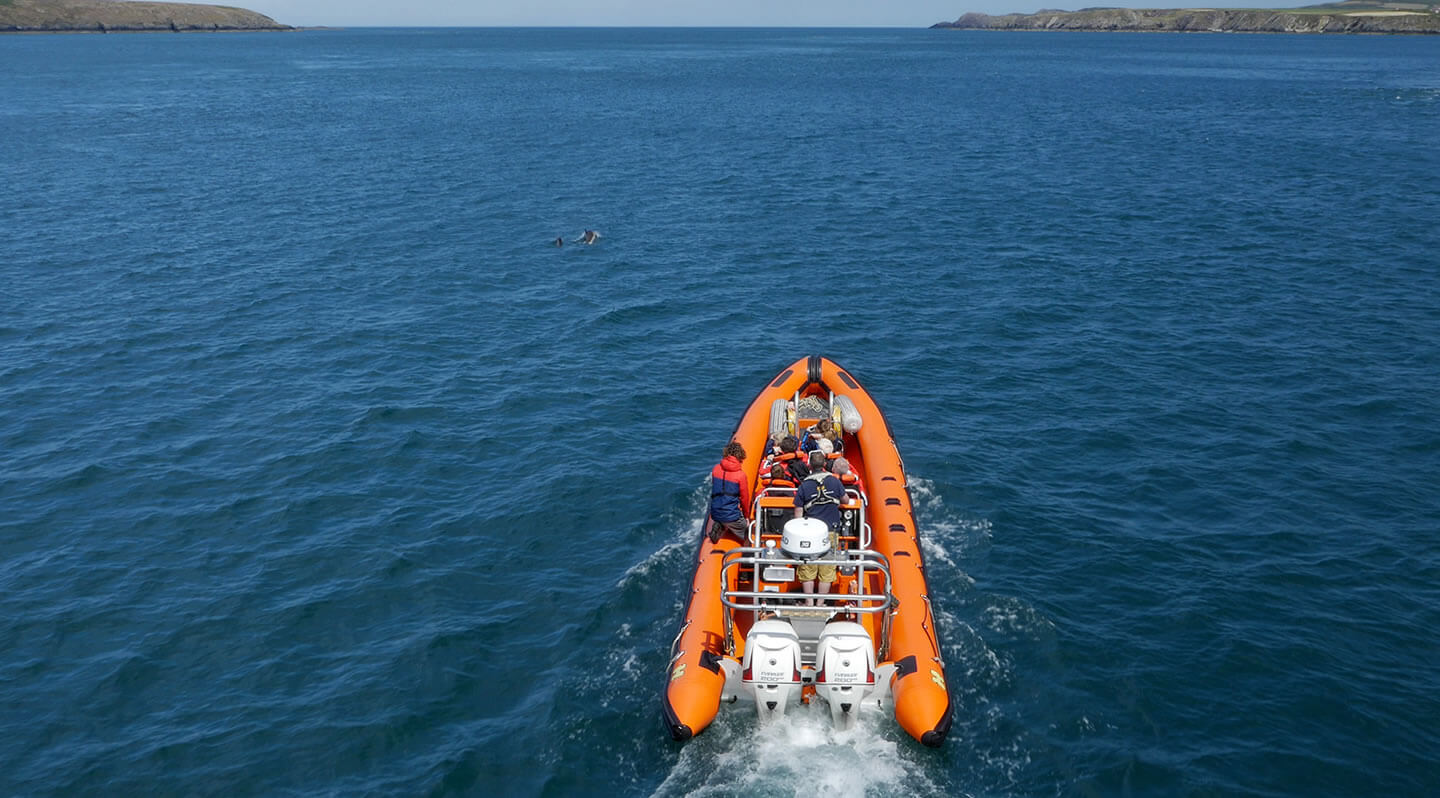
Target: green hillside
1350, 16
104, 16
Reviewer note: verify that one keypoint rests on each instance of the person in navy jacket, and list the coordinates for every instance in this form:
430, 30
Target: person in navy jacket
729, 495
819, 496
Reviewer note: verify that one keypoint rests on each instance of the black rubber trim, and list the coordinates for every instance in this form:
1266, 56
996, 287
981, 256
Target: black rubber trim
784, 375
887, 479
936, 736
897, 527
892, 502
710, 661
679, 732
902, 553
813, 369
845, 378
905, 667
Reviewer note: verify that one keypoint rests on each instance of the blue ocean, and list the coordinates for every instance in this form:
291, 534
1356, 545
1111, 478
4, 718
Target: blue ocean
324, 471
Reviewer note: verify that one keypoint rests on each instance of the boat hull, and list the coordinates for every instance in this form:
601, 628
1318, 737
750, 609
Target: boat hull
702, 657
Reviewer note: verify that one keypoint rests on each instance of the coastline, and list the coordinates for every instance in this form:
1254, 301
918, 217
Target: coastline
99, 32
1315, 20
93, 16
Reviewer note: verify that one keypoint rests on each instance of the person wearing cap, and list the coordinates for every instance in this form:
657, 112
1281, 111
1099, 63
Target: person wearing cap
729, 494
819, 496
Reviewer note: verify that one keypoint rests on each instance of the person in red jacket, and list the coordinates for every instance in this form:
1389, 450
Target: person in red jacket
729, 494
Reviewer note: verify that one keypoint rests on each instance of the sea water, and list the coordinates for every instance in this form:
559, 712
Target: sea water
325, 472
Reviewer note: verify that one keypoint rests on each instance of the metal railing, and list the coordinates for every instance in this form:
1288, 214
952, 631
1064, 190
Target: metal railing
862, 539
862, 560
763, 601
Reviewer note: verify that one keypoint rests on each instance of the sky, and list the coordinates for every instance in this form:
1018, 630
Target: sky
680, 13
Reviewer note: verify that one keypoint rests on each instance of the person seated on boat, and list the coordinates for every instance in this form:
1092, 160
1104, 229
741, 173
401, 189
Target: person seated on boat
779, 477
772, 444
824, 445
822, 431
729, 494
819, 496
826, 459
840, 467
850, 506
792, 460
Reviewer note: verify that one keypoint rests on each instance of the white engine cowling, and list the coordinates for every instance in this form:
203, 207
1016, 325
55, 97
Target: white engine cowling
772, 666
805, 538
844, 670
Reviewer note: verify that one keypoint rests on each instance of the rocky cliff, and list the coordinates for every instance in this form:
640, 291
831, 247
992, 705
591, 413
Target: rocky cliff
27, 16
1210, 20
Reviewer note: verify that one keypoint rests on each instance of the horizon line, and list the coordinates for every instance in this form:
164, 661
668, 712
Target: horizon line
613, 27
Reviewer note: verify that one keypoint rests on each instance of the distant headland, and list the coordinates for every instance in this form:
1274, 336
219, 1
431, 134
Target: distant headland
1351, 16
107, 16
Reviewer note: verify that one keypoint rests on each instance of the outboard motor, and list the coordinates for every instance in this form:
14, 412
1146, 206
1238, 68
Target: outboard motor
844, 670
772, 666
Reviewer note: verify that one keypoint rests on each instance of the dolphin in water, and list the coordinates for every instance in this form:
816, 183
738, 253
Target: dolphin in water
589, 237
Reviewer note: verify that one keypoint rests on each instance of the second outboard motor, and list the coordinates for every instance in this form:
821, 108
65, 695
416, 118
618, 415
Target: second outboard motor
844, 670
772, 666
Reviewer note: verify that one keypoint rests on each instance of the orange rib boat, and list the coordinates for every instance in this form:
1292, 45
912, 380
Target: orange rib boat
751, 636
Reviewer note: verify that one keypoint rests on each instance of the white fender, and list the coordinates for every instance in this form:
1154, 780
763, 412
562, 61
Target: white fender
779, 418
850, 419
